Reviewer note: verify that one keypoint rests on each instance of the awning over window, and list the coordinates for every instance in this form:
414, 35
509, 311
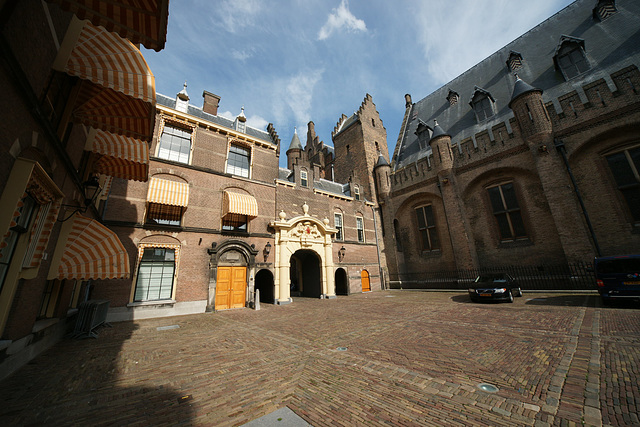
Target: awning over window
118, 90
122, 157
88, 250
165, 192
139, 21
240, 204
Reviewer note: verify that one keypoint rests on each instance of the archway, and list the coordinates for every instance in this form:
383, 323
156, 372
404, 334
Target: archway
366, 284
305, 274
264, 283
342, 284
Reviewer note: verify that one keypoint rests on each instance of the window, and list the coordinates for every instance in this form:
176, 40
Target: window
427, 228
175, 144
483, 107
235, 222
625, 166
572, 60
27, 211
507, 212
337, 219
303, 179
360, 228
49, 299
155, 275
159, 214
239, 160
356, 190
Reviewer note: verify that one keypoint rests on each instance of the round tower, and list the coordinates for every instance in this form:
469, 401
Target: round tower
382, 171
531, 114
295, 150
440, 143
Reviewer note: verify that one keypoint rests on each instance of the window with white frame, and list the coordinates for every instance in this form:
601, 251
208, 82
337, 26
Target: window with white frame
155, 275
337, 219
304, 182
239, 160
360, 229
356, 190
175, 144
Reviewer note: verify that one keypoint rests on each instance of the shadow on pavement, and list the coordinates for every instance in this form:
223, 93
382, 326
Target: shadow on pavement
573, 300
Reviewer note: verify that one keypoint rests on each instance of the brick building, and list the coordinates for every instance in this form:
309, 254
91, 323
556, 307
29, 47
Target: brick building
218, 219
527, 158
78, 108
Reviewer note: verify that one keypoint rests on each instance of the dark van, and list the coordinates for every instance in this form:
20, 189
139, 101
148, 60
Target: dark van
618, 276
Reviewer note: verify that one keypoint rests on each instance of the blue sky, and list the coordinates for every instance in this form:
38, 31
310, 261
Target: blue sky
291, 61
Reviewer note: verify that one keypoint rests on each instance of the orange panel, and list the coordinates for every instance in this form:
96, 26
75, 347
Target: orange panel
238, 287
366, 286
223, 288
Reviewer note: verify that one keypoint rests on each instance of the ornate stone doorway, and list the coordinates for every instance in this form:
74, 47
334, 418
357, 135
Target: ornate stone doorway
305, 241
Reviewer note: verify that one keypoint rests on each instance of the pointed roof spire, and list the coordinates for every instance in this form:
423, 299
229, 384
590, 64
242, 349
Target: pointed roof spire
520, 88
295, 141
183, 93
437, 131
381, 161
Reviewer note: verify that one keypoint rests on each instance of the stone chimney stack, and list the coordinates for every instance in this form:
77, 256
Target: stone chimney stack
211, 102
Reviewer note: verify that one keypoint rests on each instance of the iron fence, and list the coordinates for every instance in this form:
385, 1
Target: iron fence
566, 277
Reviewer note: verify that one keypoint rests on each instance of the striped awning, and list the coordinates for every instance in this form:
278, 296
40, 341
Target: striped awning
122, 157
165, 192
118, 88
141, 21
239, 204
88, 250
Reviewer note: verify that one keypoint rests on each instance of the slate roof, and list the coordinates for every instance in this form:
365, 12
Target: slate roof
610, 45
218, 120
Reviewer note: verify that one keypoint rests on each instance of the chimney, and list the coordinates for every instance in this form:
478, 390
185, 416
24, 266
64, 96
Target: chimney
210, 103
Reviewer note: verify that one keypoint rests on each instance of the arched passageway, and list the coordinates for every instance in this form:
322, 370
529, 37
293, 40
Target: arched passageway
342, 284
305, 274
264, 283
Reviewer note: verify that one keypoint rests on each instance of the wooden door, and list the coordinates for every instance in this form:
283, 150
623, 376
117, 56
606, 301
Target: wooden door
366, 286
231, 287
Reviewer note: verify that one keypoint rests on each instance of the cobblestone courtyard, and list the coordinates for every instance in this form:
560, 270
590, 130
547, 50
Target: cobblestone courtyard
393, 357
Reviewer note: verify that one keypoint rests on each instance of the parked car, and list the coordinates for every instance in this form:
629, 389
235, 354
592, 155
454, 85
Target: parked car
494, 287
617, 277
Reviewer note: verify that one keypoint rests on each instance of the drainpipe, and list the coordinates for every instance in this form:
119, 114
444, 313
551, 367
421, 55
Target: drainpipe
375, 230
559, 144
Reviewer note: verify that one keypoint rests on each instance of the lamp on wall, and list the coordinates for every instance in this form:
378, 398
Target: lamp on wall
266, 251
91, 189
341, 254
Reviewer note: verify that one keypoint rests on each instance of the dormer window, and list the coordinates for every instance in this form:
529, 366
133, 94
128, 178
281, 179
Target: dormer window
453, 97
570, 57
356, 192
604, 9
240, 124
514, 62
182, 100
483, 104
304, 181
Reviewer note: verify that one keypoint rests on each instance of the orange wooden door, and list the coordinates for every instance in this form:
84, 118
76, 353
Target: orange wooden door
366, 286
223, 288
238, 286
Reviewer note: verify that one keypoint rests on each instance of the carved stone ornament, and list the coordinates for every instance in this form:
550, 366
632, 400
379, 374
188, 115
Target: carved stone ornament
306, 232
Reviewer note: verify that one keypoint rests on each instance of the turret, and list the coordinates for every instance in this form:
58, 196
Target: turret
382, 171
295, 150
530, 112
440, 143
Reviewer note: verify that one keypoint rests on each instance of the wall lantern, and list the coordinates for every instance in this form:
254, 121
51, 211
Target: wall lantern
341, 254
266, 251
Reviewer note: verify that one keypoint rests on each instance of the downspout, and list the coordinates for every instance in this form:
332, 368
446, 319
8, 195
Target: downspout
559, 144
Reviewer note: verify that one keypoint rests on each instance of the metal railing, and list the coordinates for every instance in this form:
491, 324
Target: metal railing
91, 315
566, 277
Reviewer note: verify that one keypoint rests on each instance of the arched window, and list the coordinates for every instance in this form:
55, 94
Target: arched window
570, 57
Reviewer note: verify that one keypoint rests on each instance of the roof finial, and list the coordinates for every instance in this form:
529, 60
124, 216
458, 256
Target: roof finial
435, 123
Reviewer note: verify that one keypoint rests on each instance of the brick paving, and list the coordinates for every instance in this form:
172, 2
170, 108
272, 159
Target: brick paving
393, 357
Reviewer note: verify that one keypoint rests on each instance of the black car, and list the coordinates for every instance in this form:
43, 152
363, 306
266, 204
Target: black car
494, 287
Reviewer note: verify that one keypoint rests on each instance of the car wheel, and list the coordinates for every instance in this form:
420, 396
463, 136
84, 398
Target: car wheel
518, 292
510, 296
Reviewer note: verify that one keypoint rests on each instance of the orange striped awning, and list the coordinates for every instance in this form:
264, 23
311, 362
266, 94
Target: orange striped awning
239, 204
122, 157
165, 192
141, 21
88, 250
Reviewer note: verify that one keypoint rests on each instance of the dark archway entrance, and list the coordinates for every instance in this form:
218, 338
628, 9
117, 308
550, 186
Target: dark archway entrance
342, 285
264, 283
305, 274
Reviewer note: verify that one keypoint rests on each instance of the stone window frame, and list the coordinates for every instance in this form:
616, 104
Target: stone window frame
339, 236
243, 145
360, 229
176, 265
513, 214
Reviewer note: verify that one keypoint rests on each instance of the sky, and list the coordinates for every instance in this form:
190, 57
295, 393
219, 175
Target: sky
289, 62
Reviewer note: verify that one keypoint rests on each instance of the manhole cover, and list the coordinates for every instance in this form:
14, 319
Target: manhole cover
489, 388
341, 348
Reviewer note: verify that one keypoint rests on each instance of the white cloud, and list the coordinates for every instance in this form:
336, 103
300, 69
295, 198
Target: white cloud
299, 94
242, 55
454, 35
235, 15
341, 19
255, 121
